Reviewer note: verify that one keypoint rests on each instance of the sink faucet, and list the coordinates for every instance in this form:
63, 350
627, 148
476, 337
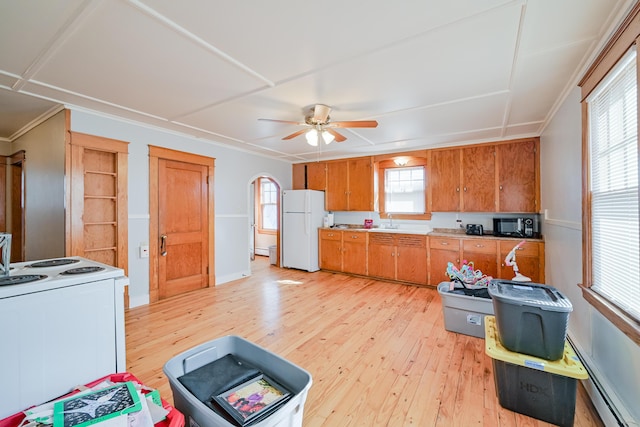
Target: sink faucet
390, 221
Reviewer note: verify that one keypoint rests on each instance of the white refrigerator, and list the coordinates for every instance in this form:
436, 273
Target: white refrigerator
302, 214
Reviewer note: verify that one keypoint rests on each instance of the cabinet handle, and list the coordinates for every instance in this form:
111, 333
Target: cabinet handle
163, 245
465, 189
501, 188
444, 243
479, 246
457, 189
354, 237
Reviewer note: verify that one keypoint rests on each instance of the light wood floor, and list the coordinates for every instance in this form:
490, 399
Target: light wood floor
377, 351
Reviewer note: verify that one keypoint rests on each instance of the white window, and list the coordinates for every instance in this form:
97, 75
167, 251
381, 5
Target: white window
613, 187
268, 205
404, 190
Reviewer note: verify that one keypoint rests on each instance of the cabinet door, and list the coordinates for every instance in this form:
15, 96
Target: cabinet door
411, 258
444, 180
483, 253
517, 175
331, 250
354, 252
337, 190
298, 176
360, 191
529, 258
382, 255
442, 251
317, 176
478, 178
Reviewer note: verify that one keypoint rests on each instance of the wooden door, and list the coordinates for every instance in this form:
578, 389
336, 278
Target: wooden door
98, 219
517, 176
382, 256
444, 180
442, 250
360, 189
354, 252
182, 227
478, 178
331, 250
411, 258
336, 196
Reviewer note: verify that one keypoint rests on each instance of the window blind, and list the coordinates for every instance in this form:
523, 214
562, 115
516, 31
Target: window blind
404, 190
615, 225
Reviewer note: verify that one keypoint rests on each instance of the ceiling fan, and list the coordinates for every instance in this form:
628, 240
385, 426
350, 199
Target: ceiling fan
318, 125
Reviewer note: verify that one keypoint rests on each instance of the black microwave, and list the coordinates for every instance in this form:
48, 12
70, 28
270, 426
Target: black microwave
516, 227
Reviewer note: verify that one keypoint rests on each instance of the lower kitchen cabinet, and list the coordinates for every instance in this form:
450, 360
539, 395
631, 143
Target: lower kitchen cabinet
344, 251
529, 257
401, 257
330, 250
483, 253
442, 250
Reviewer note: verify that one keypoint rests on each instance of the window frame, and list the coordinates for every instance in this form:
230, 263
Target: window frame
411, 161
623, 39
259, 206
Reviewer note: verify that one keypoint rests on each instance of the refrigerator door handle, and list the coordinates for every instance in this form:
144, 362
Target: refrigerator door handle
307, 213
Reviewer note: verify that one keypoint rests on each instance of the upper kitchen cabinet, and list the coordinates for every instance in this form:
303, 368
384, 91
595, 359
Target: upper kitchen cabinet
517, 164
444, 180
496, 177
309, 176
478, 179
350, 185
462, 179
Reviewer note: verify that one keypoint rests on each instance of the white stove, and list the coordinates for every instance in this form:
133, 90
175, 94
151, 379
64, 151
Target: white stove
61, 325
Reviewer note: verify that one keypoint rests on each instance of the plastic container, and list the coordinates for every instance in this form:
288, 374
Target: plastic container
273, 256
533, 386
296, 379
532, 318
464, 314
174, 417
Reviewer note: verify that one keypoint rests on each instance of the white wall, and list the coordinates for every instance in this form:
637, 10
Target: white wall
234, 171
44, 188
614, 357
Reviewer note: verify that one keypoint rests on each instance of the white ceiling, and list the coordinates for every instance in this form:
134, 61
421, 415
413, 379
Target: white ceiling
431, 72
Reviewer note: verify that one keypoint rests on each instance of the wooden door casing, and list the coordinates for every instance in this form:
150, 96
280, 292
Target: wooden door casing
98, 219
176, 272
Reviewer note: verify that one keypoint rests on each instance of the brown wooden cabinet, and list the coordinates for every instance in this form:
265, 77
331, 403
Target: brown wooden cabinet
354, 252
500, 177
343, 250
529, 257
444, 180
309, 176
518, 176
483, 253
442, 251
411, 258
350, 185
330, 250
478, 179
398, 256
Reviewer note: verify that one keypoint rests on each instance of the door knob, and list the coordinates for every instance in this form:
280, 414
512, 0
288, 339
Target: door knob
163, 245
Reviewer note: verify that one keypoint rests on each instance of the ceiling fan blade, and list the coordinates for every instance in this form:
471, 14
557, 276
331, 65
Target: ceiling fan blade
339, 137
321, 113
293, 135
283, 121
355, 124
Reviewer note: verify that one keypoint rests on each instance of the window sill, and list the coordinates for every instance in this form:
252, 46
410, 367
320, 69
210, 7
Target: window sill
425, 216
629, 326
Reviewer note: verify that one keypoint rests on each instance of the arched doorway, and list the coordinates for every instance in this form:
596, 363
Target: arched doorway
264, 233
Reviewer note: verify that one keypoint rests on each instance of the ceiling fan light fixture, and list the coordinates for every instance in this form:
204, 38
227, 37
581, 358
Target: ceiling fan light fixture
327, 137
312, 137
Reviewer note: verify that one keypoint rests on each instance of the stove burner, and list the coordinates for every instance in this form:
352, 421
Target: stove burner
54, 262
83, 270
20, 279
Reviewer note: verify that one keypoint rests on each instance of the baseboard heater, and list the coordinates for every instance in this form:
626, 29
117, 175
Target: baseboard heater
609, 407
